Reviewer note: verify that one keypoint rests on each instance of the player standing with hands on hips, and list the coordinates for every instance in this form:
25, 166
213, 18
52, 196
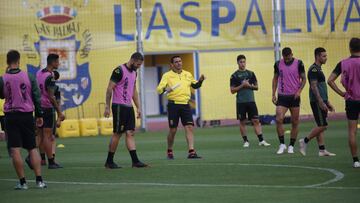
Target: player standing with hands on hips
349, 69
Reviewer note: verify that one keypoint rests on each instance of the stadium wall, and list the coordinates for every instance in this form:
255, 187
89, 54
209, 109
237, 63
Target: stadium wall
93, 37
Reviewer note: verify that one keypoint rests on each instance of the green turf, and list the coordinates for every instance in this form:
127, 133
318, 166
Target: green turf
227, 173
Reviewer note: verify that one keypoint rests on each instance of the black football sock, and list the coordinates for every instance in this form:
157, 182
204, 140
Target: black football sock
292, 141
110, 157
42, 156
51, 161
321, 147
39, 179
281, 139
306, 140
191, 151
22, 181
134, 156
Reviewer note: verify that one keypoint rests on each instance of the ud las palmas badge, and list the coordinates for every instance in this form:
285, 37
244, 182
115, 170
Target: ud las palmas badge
58, 31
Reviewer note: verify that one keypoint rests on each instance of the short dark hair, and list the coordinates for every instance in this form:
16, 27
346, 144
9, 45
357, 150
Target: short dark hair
56, 75
13, 56
241, 56
318, 51
51, 58
286, 51
172, 58
137, 56
354, 44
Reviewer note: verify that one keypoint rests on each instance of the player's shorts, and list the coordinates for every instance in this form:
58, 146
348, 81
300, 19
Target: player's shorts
352, 109
123, 118
319, 115
288, 101
177, 111
49, 118
248, 108
20, 129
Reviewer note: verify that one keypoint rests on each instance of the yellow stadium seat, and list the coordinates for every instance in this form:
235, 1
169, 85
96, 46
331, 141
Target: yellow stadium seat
106, 126
69, 128
88, 127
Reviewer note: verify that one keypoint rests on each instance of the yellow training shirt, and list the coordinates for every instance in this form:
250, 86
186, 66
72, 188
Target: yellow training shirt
181, 94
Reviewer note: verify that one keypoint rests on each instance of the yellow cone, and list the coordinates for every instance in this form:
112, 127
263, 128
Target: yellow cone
287, 132
60, 146
358, 125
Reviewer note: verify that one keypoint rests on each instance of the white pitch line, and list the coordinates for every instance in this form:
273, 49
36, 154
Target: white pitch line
338, 176
191, 185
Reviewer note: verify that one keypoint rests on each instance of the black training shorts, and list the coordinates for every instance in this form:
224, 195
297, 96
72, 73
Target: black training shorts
249, 109
177, 111
49, 118
20, 129
288, 101
352, 109
319, 115
123, 118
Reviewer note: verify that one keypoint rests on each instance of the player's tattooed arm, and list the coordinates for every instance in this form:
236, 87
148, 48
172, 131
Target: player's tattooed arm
108, 96
302, 85
315, 90
303, 81
137, 102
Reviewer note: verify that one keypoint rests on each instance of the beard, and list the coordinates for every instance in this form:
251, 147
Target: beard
133, 67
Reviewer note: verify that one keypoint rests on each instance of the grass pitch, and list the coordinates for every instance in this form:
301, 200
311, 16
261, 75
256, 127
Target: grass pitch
227, 172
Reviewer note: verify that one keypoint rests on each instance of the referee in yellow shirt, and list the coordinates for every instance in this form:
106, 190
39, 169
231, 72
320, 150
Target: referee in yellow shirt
177, 84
